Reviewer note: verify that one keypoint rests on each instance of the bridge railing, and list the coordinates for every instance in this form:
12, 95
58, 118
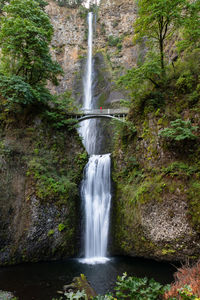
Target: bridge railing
105, 111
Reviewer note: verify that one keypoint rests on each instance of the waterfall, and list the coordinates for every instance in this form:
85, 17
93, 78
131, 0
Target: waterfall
96, 194
96, 185
88, 128
88, 76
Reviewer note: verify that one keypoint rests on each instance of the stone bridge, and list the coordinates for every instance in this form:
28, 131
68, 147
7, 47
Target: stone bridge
110, 113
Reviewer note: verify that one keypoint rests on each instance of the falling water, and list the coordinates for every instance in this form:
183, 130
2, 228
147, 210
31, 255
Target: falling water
88, 76
97, 197
96, 185
88, 129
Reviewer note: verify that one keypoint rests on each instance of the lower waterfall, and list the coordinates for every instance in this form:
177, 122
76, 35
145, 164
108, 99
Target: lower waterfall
96, 194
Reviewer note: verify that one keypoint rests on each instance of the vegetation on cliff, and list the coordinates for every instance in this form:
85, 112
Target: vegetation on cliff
26, 63
41, 155
156, 168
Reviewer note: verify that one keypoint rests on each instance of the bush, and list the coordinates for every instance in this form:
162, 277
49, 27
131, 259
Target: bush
187, 284
180, 131
14, 90
138, 288
61, 106
185, 82
113, 41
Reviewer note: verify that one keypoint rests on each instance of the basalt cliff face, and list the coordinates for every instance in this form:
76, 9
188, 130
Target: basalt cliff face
40, 173
113, 47
155, 207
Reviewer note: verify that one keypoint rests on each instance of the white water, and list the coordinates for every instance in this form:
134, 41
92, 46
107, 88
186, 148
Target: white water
88, 129
96, 186
96, 194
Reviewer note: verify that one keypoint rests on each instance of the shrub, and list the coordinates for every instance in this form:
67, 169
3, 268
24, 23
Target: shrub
113, 41
180, 131
138, 288
58, 114
14, 90
187, 284
185, 82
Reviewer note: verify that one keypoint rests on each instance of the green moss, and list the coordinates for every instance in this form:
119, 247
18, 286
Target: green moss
168, 251
55, 173
61, 227
51, 232
194, 204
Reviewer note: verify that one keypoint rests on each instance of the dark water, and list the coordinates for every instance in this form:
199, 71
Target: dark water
40, 281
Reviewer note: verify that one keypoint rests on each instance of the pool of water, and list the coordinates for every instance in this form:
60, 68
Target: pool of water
41, 281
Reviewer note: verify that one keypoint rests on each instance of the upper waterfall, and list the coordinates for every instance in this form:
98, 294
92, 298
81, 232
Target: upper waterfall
88, 129
87, 103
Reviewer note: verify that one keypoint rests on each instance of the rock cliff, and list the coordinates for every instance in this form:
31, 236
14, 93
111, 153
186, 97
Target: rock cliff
113, 47
155, 209
41, 169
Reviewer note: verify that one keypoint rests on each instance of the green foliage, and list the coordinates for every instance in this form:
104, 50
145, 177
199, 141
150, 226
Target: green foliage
194, 203
142, 80
185, 82
57, 114
157, 21
14, 90
26, 61
180, 169
191, 28
180, 131
2, 3
61, 227
138, 288
81, 159
114, 42
83, 12
50, 185
51, 232
186, 293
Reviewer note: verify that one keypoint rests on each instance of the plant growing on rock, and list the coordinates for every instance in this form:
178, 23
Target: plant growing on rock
157, 21
179, 131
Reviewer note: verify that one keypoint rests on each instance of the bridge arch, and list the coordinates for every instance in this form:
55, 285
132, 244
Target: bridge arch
87, 117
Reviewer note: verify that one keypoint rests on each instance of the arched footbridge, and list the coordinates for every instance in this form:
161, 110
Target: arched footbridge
110, 113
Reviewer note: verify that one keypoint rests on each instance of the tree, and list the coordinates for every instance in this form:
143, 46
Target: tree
2, 3
25, 35
191, 27
157, 21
